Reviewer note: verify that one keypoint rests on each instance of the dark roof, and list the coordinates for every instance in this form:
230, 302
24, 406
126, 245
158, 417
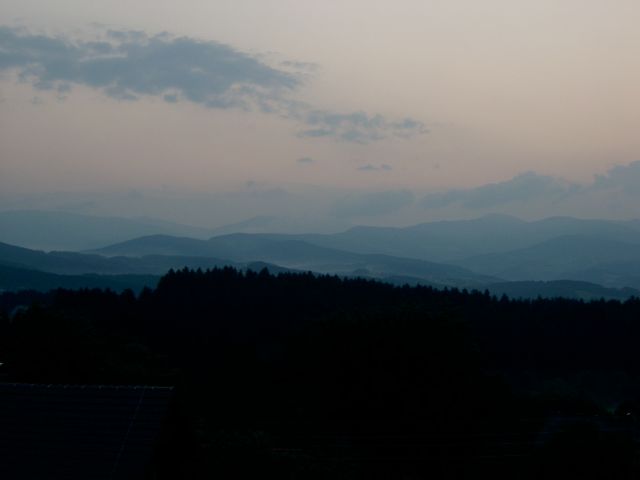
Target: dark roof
76, 431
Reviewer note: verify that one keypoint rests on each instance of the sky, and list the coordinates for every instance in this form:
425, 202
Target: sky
411, 101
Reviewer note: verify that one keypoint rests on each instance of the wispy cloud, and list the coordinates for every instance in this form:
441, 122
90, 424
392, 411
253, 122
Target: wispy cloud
375, 168
301, 66
305, 161
614, 194
521, 188
128, 65
625, 178
358, 127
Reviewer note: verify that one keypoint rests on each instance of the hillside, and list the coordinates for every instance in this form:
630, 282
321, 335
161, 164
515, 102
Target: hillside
561, 289
71, 263
567, 257
449, 241
53, 230
314, 370
299, 255
15, 279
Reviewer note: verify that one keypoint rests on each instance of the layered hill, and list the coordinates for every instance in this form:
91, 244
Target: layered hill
574, 257
290, 252
448, 241
557, 256
72, 263
52, 230
15, 279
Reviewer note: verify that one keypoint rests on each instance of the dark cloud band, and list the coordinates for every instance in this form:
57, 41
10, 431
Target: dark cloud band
521, 188
129, 64
375, 168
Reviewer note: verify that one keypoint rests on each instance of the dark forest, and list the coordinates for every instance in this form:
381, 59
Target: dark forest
306, 376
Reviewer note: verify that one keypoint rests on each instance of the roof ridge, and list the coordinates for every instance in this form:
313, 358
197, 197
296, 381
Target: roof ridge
86, 386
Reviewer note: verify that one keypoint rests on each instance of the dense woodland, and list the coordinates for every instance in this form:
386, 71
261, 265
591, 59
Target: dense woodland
305, 376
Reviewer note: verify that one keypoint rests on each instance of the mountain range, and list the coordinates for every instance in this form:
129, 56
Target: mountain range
54, 230
451, 241
559, 256
293, 253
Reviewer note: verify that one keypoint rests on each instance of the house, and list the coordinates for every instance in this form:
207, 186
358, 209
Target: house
79, 431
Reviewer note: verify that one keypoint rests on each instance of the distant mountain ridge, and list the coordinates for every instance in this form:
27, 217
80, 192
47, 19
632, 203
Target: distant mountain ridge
27, 269
290, 252
52, 230
155, 255
561, 257
449, 241
498, 246
438, 241
72, 263
15, 279
469, 254
561, 289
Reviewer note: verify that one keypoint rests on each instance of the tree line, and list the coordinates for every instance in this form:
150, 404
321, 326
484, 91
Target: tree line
263, 361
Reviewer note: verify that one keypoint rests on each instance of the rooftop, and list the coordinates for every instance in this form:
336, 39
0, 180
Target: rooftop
79, 431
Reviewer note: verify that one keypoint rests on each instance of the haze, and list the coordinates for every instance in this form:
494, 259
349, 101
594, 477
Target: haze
359, 112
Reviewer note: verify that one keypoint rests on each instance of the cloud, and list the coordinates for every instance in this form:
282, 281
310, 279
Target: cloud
302, 66
521, 188
620, 177
615, 194
375, 168
305, 161
131, 64
127, 65
358, 127
372, 204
